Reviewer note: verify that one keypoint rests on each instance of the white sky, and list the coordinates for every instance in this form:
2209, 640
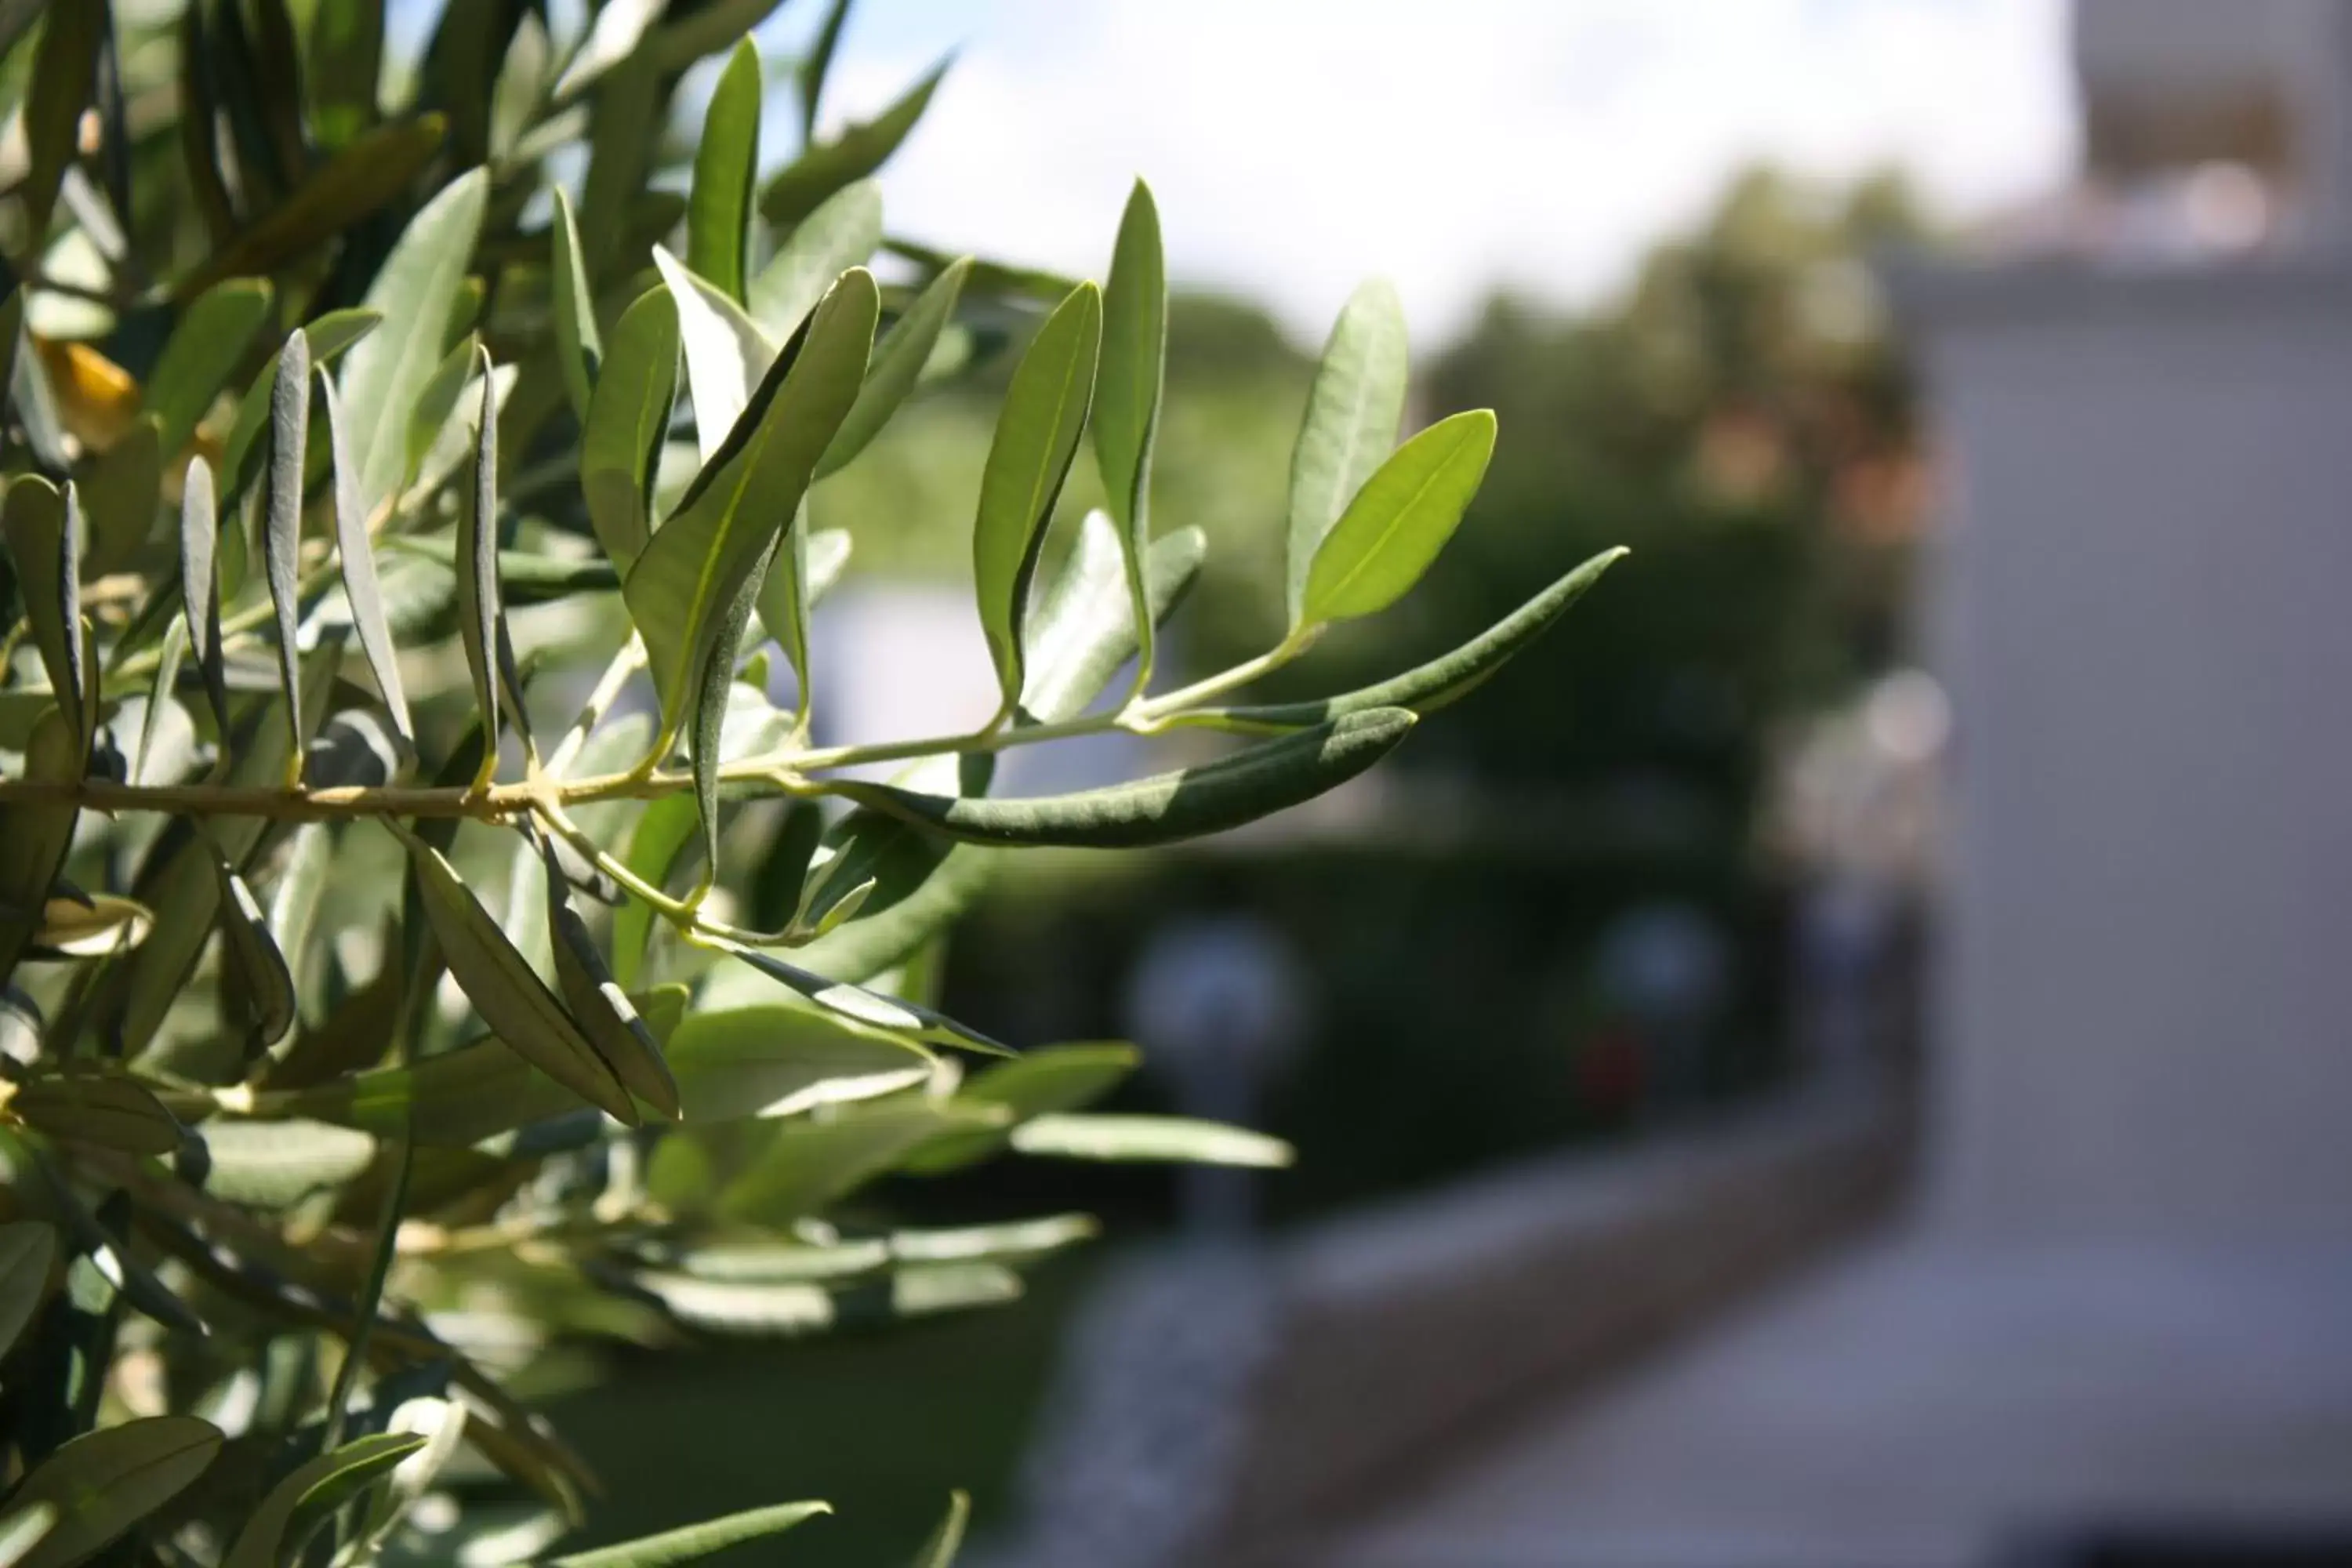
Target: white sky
1298, 146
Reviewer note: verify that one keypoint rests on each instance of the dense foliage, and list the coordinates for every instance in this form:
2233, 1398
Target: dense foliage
389, 995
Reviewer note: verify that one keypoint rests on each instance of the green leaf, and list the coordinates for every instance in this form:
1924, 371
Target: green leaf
696, 1540
356, 556
119, 490
330, 336
861, 1005
276, 1165
776, 1060
200, 583
1428, 686
452, 1098
1152, 1138
298, 1505
817, 64
93, 925
1037, 438
438, 427
615, 34
45, 535
841, 234
362, 178
289, 447
110, 1111
1400, 520
27, 1250
1352, 413
1127, 399
513, 1001
664, 828
34, 840
1084, 627
827, 166
899, 361
103, 1482
577, 342
599, 1006
481, 612
200, 157
715, 690
726, 352
1256, 781
203, 351
782, 593
346, 59
418, 287
266, 992
1048, 1079
808, 1164
628, 415
64, 81
940, 1550
719, 210
22, 1531
682, 585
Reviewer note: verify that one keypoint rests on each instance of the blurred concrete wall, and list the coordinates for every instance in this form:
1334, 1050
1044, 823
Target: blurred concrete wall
2145, 1023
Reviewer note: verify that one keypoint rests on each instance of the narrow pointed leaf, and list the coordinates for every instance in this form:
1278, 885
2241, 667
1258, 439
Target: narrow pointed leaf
103, 1482
1352, 412
34, 840
808, 1164
1084, 627
726, 352
1037, 436
331, 336
308, 1496
513, 1000
1048, 1079
360, 180
1254, 782
861, 1005
940, 1550
1174, 1139
200, 583
119, 488
418, 287
817, 64
899, 361
696, 1540
93, 926
599, 1006
64, 82
108, 1111
276, 1165
776, 1060
356, 556
719, 210
439, 416
1399, 521
577, 341
203, 351
706, 745
481, 614
610, 38
688, 576
27, 1250
827, 166
289, 445
841, 234
44, 531
628, 413
782, 596
200, 157
266, 988
1447, 677
1127, 398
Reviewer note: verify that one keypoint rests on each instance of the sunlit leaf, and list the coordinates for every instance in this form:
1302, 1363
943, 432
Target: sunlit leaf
726, 352
281, 512
600, 1007
827, 166
355, 553
1352, 412
275, 1165
899, 361
947, 1540
719, 210
628, 415
777, 1060
63, 83
368, 175
1399, 521
1038, 1082
44, 532
103, 1482
200, 583
212, 336
696, 1540
1152, 1138
1037, 438
1126, 397
841, 234
119, 490
93, 927
577, 342
298, 1505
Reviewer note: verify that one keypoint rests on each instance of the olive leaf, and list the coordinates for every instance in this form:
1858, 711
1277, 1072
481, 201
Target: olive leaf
1254, 782
200, 583
1152, 1138
726, 352
825, 167
359, 179
1037, 438
947, 1539
63, 80
719, 209
1352, 412
481, 614
264, 992
44, 531
289, 445
680, 588
27, 1250
203, 351
598, 1004
103, 1482
899, 361
696, 1541
841, 232
309, 1495
513, 1000
110, 1111
331, 336
861, 1005
1126, 397
628, 413
1399, 521
577, 343
356, 556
